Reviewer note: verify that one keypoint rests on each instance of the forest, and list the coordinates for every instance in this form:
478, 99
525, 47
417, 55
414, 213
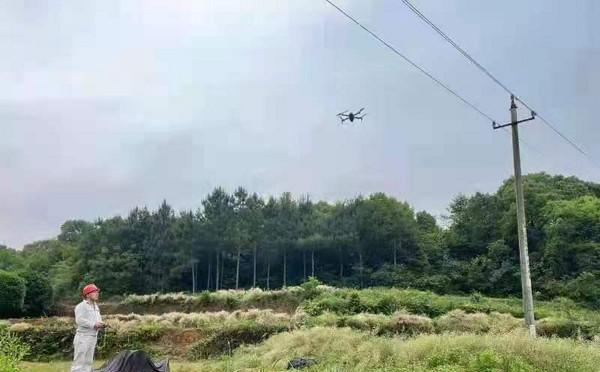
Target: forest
241, 240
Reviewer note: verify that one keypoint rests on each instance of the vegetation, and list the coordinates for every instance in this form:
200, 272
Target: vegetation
12, 351
12, 288
315, 300
338, 349
378, 312
243, 240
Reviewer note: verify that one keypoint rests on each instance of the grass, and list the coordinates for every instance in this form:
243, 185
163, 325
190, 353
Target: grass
176, 366
170, 334
374, 317
194, 335
318, 299
286, 300
348, 350
343, 349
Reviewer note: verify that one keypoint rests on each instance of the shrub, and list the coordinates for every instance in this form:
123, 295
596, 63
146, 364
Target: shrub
225, 340
459, 321
354, 304
311, 287
12, 352
566, 328
386, 305
12, 288
38, 294
403, 323
462, 322
47, 342
585, 288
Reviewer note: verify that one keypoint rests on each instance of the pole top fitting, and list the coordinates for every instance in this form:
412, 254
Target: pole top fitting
512, 102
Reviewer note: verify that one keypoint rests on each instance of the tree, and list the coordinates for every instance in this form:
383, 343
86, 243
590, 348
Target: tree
72, 231
218, 217
387, 226
256, 225
573, 237
188, 240
239, 234
10, 259
12, 288
426, 222
288, 227
271, 235
474, 224
38, 294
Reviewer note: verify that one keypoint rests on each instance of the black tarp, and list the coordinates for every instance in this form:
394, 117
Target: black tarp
134, 361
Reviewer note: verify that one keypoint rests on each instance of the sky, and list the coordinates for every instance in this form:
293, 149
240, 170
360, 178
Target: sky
109, 105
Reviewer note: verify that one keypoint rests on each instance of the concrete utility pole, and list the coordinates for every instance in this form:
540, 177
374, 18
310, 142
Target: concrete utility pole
522, 228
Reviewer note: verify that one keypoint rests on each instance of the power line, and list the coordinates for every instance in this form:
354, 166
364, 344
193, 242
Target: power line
455, 45
415, 65
426, 73
491, 76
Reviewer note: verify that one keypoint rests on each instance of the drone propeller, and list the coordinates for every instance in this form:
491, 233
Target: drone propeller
359, 111
342, 113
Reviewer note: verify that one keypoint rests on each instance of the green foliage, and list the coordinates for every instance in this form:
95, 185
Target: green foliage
48, 341
241, 240
53, 339
12, 352
10, 260
585, 289
562, 327
311, 287
225, 340
12, 288
38, 294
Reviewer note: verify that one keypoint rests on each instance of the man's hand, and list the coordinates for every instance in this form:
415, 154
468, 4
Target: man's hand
99, 325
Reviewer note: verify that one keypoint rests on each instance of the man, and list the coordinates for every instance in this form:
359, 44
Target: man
89, 321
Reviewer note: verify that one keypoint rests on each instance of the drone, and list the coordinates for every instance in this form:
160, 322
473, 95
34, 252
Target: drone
351, 116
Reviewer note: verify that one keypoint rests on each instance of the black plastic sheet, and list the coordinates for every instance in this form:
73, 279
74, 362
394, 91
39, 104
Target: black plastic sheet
134, 361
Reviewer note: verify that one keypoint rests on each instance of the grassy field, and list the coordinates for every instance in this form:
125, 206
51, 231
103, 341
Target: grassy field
62, 366
381, 329
343, 349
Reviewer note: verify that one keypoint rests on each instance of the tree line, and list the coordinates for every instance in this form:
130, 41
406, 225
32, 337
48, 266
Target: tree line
242, 240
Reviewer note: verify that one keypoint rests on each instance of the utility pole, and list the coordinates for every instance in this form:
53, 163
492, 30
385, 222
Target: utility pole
522, 228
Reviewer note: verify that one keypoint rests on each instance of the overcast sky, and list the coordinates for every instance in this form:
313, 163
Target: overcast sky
108, 105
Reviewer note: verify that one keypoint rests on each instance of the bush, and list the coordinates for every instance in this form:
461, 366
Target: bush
48, 342
403, 323
311, 287
38, 294
586, 289
566, 328
53, 338
225, 340
12, 288
461, 322
12, 352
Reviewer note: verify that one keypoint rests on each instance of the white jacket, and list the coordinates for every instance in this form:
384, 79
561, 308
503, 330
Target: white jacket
87, 315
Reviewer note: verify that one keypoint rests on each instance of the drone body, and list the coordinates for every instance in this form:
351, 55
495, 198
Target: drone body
351, 116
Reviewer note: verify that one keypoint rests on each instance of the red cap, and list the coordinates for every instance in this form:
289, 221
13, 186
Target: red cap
90, 288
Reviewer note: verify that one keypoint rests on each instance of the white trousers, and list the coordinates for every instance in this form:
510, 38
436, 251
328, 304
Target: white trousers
83, 355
